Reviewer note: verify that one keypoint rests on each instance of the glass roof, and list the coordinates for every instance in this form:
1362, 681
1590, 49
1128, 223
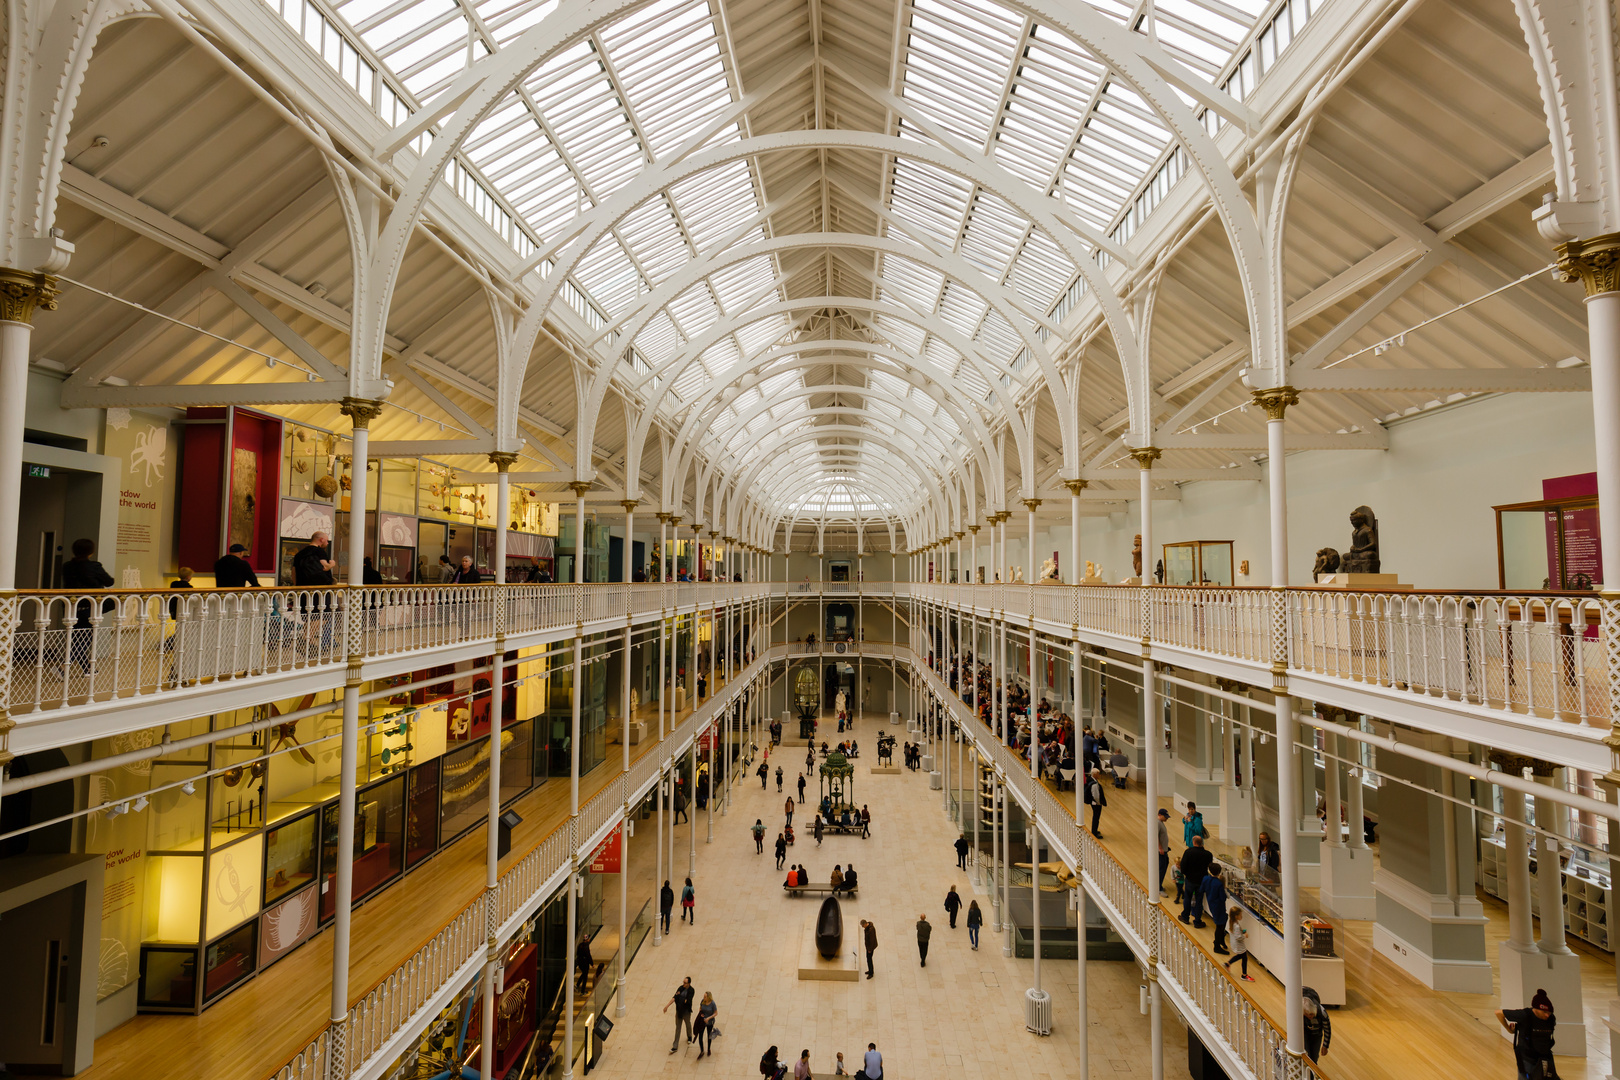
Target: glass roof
589, 121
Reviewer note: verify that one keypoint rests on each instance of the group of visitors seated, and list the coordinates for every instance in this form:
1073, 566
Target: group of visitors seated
843, 881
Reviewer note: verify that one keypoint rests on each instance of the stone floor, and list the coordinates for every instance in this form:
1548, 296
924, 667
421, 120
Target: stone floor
962, 1016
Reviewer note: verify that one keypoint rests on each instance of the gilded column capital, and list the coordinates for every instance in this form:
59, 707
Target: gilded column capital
22, 291
360, 411
674, 521
503, 460
974, 529
1275, 400
1146, 455
1033, 504
1594, 262
960, 534
629, 505
579, 487
662, 517
1076, 486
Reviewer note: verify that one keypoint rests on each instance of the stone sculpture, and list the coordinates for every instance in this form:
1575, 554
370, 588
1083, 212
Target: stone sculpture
1362, 558
1091, 570
829, 928
1136, 556
1049, 570
1327, 562
1017, 577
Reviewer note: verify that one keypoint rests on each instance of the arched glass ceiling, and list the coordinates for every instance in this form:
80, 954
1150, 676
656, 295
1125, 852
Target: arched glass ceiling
591, 120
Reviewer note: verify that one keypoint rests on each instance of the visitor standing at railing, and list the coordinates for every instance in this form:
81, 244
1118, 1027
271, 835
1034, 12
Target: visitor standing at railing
232, 571
78, 573
311, 567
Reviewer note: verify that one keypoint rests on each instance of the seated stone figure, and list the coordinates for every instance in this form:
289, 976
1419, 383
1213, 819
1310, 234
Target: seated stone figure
1362, 558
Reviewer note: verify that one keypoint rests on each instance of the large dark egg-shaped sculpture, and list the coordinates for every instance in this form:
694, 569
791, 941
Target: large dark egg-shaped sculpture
829, 928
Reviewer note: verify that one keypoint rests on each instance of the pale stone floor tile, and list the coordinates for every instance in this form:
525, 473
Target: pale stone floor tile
964, 1012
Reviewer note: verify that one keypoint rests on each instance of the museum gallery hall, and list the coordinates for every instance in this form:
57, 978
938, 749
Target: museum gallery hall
894, 538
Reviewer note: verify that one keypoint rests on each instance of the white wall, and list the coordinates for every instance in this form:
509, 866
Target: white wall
1432, 490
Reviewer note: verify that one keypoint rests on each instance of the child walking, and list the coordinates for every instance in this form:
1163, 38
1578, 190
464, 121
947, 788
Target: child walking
1238, 940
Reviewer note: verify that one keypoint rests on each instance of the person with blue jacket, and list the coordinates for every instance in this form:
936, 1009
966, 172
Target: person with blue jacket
1192, 824
1214, 890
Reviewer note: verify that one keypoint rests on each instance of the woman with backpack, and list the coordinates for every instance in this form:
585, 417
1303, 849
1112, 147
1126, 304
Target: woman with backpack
688, 903
1532, 1031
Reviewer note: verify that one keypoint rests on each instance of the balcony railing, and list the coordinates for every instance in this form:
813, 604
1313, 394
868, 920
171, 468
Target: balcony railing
1529, 654
74, 648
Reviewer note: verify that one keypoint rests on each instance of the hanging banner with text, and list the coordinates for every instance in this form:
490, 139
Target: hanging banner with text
607, 858
140, 442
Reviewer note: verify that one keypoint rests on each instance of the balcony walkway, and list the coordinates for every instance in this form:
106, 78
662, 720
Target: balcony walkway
1392, 1023
253, 1031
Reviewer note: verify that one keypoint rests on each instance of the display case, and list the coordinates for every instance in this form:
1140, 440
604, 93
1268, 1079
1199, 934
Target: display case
422, 813
379, 849
1548, 544
1198, 562
229, 960
1588, 891
464, 788
290, 857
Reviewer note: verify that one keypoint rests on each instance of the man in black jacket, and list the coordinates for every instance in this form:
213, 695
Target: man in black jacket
83, 572
231, 570
312, 567
1195, 863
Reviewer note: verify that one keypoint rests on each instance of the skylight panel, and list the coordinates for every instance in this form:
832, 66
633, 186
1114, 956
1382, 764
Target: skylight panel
734, 284
760, 333
507, 19
658, 340
1000, 340
694, 310
720, 358
608, 277
668, 60
956, 59
585, 110
917, 285
1041, 271
945, 360
716, 203
992, 234
908, 337
961, 308
929, 199
651, 232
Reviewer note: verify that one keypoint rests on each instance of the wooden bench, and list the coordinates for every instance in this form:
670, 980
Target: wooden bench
830, 827
822, 888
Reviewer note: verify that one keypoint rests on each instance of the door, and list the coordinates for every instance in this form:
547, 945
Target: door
40, 991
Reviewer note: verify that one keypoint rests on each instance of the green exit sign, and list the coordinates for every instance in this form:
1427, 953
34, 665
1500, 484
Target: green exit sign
42, 472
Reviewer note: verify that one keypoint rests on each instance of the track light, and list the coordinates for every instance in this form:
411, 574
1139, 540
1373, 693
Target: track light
140, 804
1265, 737
189, 787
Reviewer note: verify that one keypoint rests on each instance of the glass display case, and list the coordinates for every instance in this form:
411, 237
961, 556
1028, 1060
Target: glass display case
464, 787
229, 960
1548, 544
308, 454
289, 857
422, 813
379, 849
168, 980
1198, 562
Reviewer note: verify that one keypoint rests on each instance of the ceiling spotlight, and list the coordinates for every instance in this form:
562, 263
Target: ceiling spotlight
1355, 771
140, 804
1265, 737
189, 787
